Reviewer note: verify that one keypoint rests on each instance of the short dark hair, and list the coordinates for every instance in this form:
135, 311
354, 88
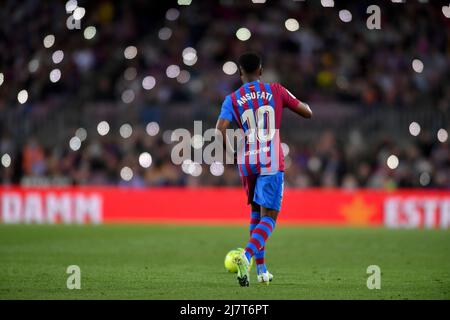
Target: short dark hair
250, 62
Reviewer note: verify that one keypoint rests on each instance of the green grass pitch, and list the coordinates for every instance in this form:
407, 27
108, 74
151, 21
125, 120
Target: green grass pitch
186, 262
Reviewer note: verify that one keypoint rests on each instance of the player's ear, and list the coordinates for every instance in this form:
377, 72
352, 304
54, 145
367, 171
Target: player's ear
260, 71
240, 71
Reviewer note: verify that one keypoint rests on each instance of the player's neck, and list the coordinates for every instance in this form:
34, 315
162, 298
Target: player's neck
247, 79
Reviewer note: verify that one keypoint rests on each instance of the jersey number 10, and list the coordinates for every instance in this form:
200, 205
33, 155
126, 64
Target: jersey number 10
257, 126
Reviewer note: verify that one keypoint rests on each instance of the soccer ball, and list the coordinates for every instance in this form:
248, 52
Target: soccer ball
230, 265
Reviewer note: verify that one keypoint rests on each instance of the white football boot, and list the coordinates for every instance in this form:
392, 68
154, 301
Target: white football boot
265, 277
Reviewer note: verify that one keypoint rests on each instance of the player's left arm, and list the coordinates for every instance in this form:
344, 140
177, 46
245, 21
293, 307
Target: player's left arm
302, 109
290, 101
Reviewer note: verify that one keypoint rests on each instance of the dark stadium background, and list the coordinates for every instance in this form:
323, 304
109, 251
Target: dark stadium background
86, 117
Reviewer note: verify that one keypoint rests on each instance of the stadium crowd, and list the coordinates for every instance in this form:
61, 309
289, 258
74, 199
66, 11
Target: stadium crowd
120, 71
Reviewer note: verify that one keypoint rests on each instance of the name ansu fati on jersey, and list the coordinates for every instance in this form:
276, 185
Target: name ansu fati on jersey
254, 96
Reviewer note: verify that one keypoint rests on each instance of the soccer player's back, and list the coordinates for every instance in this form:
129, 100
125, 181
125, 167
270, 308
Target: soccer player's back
256, 108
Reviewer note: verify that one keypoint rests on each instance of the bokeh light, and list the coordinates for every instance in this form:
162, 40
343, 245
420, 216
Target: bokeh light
126, 173
55, 75
392, 162
424, 179
195, 169
130, 52
152, 128
184, 76
314, 164
75, 143
197, 141
230, 68
126, 130
128, 96
49, 41
189, 53
148, 82
103, 128
173, 71
442, 135
292, 24
345, 15
145, 160
165, 33
22, 96
130, 73
89, 32
71, 5
33, 65
217, 168
6, 160
167, 136
81, 133
417, 65
186, 165
79, 13
190, 62
172, 14
243, 34
414, 128
327, 3
57, 56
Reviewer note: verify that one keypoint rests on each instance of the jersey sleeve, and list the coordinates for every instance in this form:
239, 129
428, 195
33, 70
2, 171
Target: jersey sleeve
226, 111
289, 100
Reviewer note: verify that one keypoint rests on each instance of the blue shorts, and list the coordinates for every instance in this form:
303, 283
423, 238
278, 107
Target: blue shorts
265, 190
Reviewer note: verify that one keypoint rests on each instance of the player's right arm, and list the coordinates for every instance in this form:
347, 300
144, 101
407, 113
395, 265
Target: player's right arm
221, 129
291, 102
224, 121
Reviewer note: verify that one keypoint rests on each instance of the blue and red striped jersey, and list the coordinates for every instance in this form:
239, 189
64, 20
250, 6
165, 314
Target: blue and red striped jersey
256, 108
